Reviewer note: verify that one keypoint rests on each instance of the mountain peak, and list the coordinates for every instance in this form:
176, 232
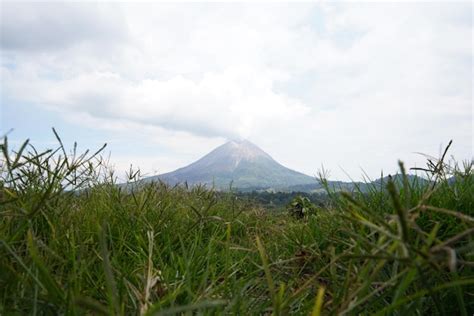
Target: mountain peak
240, 141
238, 161
239, 150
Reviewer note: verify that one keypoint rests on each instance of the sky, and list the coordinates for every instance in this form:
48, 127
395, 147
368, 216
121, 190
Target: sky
348, 86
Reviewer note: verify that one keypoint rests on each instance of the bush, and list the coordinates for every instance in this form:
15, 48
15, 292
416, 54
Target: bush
301, 207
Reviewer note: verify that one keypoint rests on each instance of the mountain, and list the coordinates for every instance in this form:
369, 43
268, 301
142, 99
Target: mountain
413, 180
364, 187
241, 163
249, 168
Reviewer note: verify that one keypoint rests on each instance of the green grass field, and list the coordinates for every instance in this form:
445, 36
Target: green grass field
73, 242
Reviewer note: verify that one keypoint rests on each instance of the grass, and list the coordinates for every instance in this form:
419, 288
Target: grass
73, 242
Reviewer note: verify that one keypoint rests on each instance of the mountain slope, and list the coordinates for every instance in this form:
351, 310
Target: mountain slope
238, 162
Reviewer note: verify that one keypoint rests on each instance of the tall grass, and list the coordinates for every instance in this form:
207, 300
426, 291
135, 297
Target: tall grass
74, 242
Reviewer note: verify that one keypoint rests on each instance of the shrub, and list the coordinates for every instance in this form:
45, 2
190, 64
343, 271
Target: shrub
301, 207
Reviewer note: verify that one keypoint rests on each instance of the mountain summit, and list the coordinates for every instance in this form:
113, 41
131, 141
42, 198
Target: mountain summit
241, 163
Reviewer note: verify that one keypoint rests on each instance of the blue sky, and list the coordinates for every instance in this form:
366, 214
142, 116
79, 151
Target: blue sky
350, 86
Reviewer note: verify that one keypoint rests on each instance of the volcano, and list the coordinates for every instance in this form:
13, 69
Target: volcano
240, 163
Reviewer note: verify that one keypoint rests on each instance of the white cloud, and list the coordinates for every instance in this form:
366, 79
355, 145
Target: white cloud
234, 103
51, 26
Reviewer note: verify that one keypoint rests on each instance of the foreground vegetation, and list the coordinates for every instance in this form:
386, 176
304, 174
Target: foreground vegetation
73, 242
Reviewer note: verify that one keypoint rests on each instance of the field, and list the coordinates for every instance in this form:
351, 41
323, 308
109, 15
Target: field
73, 242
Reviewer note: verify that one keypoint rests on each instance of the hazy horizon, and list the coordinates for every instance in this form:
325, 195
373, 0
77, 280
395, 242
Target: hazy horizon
349, 86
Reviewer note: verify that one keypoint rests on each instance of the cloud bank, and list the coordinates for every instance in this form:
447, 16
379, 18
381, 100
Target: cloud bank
335, 80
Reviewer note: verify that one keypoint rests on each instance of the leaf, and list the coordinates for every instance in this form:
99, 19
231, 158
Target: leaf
319, 302
92, 305
180, 310
112, 294
54, 290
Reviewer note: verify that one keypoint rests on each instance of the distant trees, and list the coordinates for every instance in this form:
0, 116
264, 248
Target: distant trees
274, 201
